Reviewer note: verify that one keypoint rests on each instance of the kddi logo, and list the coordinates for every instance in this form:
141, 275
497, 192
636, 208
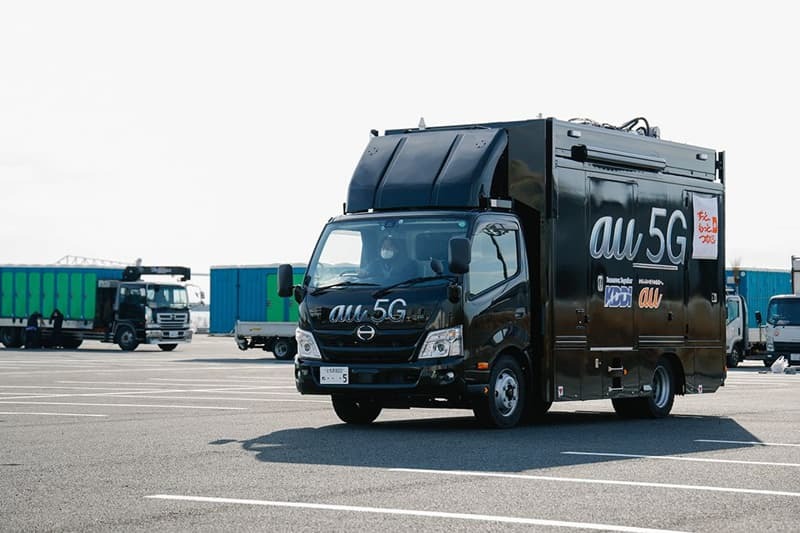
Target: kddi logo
382, 310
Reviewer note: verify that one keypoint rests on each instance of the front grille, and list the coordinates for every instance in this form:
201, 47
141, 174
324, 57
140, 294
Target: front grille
172, 320
388, 346
787, 347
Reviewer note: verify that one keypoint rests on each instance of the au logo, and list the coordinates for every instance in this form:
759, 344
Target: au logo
650, 298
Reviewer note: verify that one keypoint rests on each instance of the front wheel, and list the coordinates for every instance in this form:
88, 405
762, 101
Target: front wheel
355, 411
503, 406
733, 358
167, 347
126, 338
284, 349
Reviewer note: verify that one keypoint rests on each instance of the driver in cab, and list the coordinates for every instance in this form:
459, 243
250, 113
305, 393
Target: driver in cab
393, 264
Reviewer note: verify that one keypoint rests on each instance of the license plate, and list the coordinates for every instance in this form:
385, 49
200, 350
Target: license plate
795, 357
334, 375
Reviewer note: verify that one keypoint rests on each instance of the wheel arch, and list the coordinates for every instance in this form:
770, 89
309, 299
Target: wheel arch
678, 372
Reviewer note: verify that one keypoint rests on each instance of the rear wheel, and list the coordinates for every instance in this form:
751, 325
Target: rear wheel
241, 343
355, 410
658, 404
503, 406
733, 358
11, 337
126, 338
284, 349
167, 347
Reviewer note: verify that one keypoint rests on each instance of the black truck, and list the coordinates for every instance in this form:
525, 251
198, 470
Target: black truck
531, 262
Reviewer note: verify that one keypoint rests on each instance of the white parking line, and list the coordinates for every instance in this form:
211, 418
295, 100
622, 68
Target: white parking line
48, 414
753, 442
412, 512
679, 458
129, 405
597, 481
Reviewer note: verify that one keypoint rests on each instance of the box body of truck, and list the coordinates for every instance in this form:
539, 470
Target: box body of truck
593, 269
99, 303
246, 305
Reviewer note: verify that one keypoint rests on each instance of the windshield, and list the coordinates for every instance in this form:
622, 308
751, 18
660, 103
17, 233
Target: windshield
784, 312
172, 296
381, 252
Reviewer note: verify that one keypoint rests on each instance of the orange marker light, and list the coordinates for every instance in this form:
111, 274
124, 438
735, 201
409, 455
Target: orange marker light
483, 366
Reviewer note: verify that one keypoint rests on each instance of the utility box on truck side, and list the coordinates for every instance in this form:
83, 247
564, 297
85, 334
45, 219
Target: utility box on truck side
245, 304
98, 303
527, 262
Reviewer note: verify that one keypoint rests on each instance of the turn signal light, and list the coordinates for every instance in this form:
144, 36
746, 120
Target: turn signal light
483, 366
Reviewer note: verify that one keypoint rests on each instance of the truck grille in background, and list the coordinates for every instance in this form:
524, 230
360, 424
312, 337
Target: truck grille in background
388, 346
782, 348
172, 320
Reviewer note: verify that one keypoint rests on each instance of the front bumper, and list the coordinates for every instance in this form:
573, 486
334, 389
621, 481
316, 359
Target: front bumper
417, 383
167, 336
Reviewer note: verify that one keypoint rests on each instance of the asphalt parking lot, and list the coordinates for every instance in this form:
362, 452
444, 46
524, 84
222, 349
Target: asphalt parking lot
208, 438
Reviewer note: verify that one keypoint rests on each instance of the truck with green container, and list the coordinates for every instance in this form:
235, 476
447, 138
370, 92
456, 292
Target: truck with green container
245, 305
107, 304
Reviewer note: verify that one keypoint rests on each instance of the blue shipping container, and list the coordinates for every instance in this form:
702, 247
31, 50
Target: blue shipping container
757, 287
250, 294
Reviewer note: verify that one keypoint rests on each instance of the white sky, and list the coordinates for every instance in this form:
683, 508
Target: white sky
210, 133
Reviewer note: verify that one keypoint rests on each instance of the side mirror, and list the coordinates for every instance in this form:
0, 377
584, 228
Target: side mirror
285, 281
459, 255
758, 317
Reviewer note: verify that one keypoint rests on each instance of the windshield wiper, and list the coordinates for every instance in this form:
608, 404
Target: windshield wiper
386, 290
320, 290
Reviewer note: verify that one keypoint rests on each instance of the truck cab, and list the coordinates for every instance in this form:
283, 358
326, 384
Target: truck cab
783, 329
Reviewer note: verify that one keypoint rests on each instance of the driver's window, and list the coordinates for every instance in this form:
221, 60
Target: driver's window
341, 255
733, 310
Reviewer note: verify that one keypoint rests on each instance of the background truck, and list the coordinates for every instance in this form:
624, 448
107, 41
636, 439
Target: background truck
783, 329
552, 261
245, 304
99, 303
748, 293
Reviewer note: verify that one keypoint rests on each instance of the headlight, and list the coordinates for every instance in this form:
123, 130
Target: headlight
148, 315
306, 345
442, 343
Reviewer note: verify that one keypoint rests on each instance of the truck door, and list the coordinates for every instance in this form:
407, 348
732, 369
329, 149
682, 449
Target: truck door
613, 243
733, 330
497, 288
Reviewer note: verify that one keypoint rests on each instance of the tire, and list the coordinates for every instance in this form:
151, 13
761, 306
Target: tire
167, 347
11, 337
768, 362
504, 405
126, 338
733, 358
284, 349
657, 405
242, 343
355, 411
